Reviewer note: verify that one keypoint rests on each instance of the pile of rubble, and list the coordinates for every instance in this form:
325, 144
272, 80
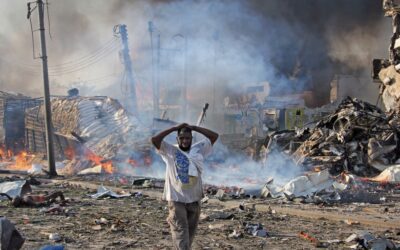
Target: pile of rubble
357, 138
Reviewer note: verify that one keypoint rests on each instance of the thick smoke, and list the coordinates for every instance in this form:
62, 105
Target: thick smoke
295, 45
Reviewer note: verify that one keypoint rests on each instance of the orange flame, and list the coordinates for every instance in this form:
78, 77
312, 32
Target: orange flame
2, 154
108, 167
69, 153
98, 160
23, 161
317, 169
5, 154
147, 160
132, 162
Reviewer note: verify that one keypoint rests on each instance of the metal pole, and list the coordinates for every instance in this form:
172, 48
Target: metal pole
132, 99
153, 73
185, 102
157, 97
47, 103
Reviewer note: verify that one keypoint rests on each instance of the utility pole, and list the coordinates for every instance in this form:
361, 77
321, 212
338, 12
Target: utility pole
47, 103
132, 99
185, 101
158, 74
155, 70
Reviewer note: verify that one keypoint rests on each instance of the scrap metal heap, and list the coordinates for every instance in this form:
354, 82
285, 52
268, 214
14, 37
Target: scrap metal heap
386, 71
358, 138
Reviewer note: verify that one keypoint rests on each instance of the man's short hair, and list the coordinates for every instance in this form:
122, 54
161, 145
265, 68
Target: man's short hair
184, 130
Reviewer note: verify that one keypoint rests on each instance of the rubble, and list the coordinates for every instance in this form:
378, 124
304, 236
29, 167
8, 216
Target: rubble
389, 175
368, 241
358, 138
255, 229
14, 188
103, 192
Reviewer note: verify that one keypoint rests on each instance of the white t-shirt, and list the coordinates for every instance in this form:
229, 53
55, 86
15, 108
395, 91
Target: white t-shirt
183, 174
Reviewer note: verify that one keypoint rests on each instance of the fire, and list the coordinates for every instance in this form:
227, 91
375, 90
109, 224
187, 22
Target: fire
147, 160
317, 169
69, 153
108, 167
2, 154
5, 154
98, 160
133, 162
23, 161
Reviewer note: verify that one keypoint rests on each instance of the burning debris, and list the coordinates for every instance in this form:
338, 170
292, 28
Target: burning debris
89, 131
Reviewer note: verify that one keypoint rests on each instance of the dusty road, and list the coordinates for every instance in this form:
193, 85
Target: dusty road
139, 222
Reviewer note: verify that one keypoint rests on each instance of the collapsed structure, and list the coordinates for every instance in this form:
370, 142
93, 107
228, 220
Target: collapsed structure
12, 112
358, 138
96, 127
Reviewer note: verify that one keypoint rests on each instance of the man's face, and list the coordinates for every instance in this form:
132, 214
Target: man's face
184, 140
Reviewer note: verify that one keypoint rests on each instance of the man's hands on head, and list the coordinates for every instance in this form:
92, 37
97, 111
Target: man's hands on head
183, 125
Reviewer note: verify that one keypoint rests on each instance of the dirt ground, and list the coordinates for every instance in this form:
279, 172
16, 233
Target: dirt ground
138, 222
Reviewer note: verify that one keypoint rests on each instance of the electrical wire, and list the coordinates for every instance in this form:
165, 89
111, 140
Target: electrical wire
89, 55
94, 59
78, 62
88, 64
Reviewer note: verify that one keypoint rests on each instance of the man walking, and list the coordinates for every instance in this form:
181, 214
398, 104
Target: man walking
183, 186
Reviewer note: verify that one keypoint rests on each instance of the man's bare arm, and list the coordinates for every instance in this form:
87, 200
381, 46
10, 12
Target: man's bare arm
211, 135
158, 138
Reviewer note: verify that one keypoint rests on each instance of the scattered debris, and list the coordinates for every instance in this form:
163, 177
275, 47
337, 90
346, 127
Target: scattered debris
103, 192
256, 230
55, 237
14, 189
235, 234
389, 175
220, 215
10, 237
367, 240
310, 238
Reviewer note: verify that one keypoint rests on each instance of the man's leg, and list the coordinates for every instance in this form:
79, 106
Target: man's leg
193, 215
177, 220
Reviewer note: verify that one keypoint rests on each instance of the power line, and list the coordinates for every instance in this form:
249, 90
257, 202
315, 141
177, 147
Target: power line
88, 64
104, 46
70, 64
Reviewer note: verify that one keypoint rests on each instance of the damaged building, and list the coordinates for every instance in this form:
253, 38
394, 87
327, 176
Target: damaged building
12, 124
99, 125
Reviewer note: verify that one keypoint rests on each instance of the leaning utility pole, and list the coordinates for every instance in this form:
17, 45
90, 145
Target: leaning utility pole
132, 100
47, 103
155, 70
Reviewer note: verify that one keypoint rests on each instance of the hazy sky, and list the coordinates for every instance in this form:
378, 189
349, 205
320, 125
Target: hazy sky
229, 43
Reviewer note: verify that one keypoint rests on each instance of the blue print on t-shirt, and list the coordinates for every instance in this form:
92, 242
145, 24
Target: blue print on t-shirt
182, 167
